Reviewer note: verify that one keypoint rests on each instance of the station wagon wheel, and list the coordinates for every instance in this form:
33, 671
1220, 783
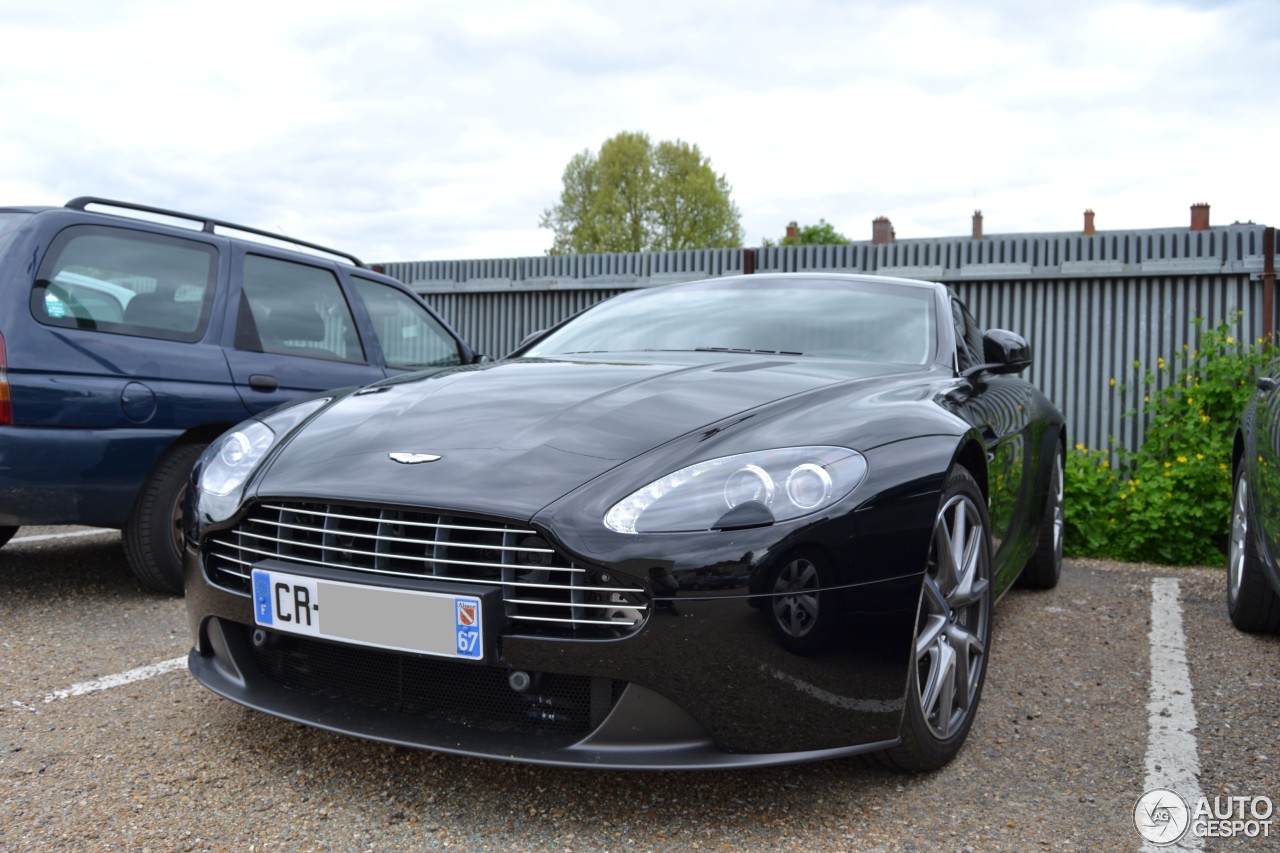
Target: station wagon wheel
1045, 566
1251, 602
153, 535
953, 631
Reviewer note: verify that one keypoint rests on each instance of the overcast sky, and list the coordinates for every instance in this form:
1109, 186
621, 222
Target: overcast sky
422, 130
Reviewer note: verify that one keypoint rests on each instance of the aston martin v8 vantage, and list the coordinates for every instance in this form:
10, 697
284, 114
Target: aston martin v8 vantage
743, 521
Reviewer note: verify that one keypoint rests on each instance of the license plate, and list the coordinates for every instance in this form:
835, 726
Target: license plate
431, 623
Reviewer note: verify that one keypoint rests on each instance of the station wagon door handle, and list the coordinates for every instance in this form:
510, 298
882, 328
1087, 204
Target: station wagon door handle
263, 382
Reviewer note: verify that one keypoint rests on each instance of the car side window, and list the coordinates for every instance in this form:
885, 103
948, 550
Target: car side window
409, 335
969, 347
291, 308
126, 282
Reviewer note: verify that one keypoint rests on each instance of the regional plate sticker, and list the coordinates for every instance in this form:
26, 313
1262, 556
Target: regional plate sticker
262, 597
468, 625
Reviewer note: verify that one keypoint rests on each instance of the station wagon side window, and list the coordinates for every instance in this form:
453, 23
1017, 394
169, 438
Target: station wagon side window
291, 308
126, 282
410, 337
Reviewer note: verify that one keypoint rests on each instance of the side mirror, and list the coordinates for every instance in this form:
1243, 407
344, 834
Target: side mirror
1004, 351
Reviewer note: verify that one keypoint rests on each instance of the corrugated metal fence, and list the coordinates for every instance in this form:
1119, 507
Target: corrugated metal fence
1090, 305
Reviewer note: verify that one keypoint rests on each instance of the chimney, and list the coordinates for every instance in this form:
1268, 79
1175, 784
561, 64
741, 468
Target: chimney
977, 225
881, 230
1200, 217
1089, 230
793, 233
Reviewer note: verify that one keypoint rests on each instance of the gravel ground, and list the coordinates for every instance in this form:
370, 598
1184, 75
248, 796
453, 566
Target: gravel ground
1055, 760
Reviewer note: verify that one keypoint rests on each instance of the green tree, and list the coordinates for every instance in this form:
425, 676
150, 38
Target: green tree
824, 233
634, 196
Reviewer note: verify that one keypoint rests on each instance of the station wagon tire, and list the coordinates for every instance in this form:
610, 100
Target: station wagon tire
1251, 602
153, 534
953, 632
6, 533
1045, 566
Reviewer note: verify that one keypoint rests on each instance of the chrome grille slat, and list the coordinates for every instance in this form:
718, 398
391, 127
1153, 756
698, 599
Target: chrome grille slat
410, 523
407, 541
542, 591
360, 553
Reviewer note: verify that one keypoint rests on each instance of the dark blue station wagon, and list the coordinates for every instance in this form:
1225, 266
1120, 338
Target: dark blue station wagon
131, 337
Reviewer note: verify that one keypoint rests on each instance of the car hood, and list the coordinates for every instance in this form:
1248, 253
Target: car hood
514, 436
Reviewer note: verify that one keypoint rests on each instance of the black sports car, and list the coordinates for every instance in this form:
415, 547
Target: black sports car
744, 521
1253, 570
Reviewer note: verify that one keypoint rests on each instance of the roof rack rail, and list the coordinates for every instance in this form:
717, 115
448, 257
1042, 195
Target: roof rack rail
207, 224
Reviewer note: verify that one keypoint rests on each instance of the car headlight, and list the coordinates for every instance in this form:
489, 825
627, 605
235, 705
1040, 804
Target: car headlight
744, 490
227, 463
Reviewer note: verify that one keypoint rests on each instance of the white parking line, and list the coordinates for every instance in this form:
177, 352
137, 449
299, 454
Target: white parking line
142, 673
1172, 759
44, 537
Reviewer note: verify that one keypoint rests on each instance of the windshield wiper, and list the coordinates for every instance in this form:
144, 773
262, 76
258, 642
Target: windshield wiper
736, 349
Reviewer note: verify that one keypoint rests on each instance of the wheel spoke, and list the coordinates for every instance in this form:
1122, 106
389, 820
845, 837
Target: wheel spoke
936, 695
945, 556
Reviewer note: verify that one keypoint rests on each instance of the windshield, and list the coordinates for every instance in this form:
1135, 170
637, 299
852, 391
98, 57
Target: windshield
870, 321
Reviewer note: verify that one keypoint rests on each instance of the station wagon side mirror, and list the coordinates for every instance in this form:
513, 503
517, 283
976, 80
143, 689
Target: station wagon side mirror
1004, 352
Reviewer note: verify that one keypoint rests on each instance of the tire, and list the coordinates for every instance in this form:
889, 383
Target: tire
1252, 603
153, 533
6, 533
953, 632
800, 621
1045, 566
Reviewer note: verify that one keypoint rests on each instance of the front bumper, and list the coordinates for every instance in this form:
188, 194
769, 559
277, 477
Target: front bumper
703, 683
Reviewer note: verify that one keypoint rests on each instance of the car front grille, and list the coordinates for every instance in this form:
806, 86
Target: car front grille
543, 593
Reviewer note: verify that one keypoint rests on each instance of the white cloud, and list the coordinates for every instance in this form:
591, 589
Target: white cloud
412, 130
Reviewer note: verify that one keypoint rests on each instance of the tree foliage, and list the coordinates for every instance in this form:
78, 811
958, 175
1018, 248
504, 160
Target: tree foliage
824, 233
634, 196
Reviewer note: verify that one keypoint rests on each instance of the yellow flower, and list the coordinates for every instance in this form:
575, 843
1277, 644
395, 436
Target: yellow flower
1080, 447
1160, 362
1146, 398
1231, 340
1113, 382
1168, 464
1222, 466
1123, 495
1191, 401
1168, 473
1113, 521
1199, 457
1204, 419
1182, 460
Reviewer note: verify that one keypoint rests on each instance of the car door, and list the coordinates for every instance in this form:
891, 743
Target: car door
293, 331
995, 405
1265, 480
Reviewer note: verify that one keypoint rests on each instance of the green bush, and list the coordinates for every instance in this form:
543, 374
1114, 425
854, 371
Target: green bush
1170, 501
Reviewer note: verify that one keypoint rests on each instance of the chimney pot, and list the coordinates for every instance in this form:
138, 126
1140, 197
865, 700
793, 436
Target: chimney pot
1200, 217
977, 225
793, 232
1089, 230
